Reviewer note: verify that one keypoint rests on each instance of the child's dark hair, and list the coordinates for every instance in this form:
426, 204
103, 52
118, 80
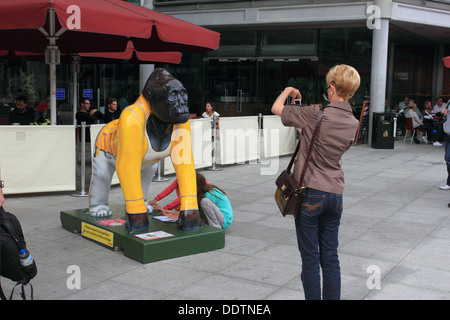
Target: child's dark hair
203, 187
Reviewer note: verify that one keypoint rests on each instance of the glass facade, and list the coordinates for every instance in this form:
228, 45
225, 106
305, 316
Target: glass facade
245, 75
251, 67
411, 69
95, 81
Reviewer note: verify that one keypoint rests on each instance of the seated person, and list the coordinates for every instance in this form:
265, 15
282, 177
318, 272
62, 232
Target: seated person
439, 106
418, 124
21, 114
427, 110
174, 205
214, 205
416, 109
111, 112
403, 105
41, 116
88, 115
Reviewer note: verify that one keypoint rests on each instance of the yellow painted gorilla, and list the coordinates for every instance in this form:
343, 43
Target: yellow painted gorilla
154, 127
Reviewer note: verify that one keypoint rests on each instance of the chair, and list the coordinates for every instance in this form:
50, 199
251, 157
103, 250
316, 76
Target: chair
409, 127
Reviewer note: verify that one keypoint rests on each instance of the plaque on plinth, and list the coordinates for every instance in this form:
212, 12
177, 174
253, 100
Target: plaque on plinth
163, 239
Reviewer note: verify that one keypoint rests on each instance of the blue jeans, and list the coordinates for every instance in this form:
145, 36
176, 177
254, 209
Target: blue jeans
317, 225
447, 155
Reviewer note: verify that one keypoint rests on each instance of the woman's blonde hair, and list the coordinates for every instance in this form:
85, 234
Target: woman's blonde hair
345, 78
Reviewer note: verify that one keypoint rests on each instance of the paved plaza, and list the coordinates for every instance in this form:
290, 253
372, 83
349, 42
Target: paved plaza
395, 227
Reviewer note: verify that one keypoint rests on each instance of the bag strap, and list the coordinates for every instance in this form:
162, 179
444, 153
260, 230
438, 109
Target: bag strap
22, 292
319, 119
293, 156
308, 156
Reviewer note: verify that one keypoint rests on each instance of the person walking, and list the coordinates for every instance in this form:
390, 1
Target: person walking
447, 155
318, 217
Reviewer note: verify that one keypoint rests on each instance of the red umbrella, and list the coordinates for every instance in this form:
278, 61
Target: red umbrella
446, 61
70, 26
24, 25
107, 57
132, 54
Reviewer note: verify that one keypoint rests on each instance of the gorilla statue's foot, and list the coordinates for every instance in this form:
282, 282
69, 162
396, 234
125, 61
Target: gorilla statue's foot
101, 210
188, 220
137, 222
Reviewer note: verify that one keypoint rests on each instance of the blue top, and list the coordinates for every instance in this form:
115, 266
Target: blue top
224, 205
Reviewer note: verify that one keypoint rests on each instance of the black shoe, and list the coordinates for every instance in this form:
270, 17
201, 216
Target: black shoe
416, 140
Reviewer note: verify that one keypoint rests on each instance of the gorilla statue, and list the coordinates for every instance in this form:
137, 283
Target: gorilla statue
154, 127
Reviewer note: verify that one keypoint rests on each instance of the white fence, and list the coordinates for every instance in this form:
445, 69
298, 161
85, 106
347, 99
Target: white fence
37, 158
43, 158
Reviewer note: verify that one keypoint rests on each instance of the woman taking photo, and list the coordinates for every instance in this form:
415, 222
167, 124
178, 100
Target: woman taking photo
319, 214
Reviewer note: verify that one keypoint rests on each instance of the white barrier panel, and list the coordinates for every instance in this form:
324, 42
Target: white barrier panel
201, 145
238, 139
43, 159
37, 158
95, 129
278, 139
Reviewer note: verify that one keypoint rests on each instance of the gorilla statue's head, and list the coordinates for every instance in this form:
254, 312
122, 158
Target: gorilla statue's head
167, 97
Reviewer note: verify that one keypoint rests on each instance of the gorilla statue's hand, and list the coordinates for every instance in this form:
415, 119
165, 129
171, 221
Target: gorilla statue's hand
188, 219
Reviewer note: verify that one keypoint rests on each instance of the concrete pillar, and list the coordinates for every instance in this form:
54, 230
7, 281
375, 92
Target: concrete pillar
378, 77
390, 75
145, 69
438, 71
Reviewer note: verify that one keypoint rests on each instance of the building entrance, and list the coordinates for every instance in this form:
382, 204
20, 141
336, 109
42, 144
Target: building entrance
241, 87
232, 84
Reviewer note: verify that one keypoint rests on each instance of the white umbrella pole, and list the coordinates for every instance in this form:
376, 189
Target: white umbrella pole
53, 93
75, 69
52, 58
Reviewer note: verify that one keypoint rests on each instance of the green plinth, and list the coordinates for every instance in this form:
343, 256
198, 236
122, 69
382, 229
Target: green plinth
177, 242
